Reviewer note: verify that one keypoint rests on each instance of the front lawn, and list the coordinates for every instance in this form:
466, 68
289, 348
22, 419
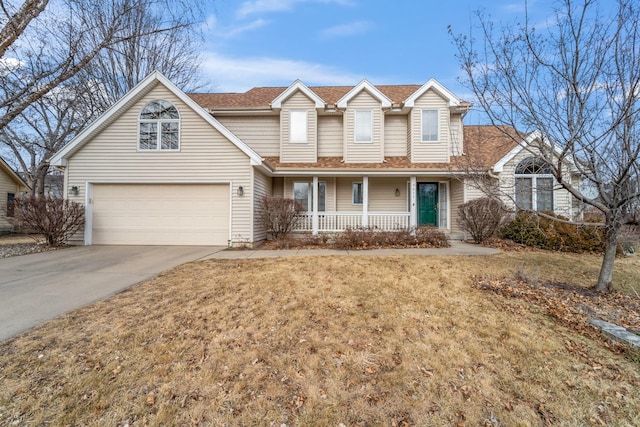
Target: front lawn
395, 341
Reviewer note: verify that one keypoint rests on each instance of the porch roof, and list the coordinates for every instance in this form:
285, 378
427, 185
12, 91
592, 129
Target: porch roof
336, 164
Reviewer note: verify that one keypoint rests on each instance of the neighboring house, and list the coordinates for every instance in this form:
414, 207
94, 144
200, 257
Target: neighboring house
11, 185
164, 167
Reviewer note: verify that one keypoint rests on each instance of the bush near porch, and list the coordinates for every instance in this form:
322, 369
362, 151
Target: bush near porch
545, 233
364, 238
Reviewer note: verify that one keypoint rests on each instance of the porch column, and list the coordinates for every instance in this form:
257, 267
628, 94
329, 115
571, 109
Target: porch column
413, 209
314, 214
365, 201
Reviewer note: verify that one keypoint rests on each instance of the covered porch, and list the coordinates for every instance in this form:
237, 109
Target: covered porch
337, 203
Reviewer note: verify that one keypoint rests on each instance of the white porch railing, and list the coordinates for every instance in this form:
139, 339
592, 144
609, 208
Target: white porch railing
340, 221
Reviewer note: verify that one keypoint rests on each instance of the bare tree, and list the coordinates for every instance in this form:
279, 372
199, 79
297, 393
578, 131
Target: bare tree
46, 126
148, 38
577, 82
43, 44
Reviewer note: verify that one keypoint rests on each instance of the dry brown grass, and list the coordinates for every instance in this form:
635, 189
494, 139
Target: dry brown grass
321, 341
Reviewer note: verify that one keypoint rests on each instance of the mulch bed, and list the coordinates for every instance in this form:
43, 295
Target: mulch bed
571, 305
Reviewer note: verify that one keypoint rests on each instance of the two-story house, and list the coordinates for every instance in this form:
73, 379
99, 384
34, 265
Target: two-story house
165, 167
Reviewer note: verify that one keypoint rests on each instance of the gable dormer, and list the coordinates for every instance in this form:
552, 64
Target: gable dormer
435, 124
298, 107
363, 123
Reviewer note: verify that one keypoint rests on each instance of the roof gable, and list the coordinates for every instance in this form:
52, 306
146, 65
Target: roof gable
530, 139
364, 85
297, 86
432, 83
142, 88
4, 166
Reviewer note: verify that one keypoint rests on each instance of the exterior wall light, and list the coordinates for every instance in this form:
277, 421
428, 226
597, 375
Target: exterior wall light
240, 191
397, 192
73, 191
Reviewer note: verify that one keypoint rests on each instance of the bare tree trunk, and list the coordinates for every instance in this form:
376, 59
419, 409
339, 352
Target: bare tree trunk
605, 278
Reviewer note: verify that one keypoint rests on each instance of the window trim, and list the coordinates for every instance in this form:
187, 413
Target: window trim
356, 113
422, 123
158, 132
305, 128
353, 193
533, 177
309, 207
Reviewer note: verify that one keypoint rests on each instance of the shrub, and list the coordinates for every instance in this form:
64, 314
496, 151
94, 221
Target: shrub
279, 215
554, 234
56, 219
369, 238
432, 237
482, 218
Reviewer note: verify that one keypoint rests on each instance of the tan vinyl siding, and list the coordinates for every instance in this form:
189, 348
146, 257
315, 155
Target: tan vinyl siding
330, 136
395, 136
431, 151
297, 152
372, 152
472, 192
7, 185
261, 133
456, 134
456, 188
263, 188
205, 156
408, 141
344, 194
278, 186
382, 194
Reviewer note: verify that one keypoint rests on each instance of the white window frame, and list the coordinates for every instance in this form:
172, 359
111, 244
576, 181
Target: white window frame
309, 207
356, 118
159, 122
298, 126
534, 188
423, 122
353, 193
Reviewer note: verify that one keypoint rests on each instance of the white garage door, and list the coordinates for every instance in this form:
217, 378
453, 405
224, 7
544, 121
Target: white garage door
174, 214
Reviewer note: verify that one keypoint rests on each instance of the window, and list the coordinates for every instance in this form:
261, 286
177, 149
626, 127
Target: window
534, 185
429, 125
303, 194
357, 193
159, 127
10, 205
298, 126
363, 125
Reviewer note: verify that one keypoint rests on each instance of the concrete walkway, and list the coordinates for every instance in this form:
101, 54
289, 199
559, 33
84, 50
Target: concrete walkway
456, 248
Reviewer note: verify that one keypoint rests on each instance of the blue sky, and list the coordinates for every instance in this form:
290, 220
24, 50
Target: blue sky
339, 42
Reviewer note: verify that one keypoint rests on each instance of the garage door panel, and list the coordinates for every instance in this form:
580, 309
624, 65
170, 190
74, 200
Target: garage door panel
161, 214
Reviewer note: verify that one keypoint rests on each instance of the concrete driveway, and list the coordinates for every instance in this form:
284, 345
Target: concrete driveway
38, 287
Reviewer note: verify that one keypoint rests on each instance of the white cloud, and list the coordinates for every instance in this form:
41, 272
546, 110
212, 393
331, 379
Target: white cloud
265, 6
214, 30
231, 74
346, 30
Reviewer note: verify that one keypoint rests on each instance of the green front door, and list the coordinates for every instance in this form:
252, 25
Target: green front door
428, 204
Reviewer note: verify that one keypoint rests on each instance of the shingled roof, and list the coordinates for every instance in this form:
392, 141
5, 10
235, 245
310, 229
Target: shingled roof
261, 97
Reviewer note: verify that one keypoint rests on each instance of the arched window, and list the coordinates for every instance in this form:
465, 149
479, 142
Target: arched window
159, 126
534, 185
